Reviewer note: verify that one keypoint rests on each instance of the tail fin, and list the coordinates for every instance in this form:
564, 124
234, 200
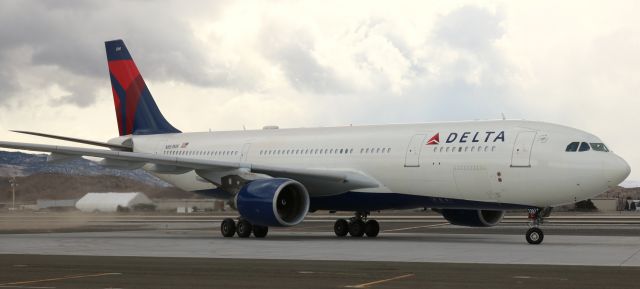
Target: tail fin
136, 110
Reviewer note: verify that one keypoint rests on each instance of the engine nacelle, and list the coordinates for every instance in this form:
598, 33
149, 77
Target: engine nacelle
273, 202
473, 218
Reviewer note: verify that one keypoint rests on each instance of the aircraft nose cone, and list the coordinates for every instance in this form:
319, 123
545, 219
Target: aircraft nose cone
617, 170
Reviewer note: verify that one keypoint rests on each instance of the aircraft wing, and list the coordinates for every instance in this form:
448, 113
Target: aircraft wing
318, 181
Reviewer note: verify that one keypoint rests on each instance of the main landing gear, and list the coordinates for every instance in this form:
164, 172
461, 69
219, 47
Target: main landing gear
535, 235
243, 228
357, 226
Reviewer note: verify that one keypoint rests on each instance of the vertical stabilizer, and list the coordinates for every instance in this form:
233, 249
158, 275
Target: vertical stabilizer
136, 110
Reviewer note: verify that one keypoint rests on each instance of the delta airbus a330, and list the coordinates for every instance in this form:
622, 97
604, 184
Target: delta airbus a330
470, 172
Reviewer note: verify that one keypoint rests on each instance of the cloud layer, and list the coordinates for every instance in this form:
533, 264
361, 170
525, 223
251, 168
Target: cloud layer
223, 65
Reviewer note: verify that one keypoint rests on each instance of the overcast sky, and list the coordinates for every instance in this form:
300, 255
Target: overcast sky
223, 64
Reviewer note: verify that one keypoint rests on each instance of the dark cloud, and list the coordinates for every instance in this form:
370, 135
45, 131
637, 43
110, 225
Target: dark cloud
70, 35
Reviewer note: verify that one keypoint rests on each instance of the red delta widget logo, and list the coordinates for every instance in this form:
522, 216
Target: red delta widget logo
468, 136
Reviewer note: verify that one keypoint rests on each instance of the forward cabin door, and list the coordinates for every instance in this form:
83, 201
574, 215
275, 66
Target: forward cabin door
412, 158
521, 156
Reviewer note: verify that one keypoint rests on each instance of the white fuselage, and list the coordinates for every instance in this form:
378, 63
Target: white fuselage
513, 162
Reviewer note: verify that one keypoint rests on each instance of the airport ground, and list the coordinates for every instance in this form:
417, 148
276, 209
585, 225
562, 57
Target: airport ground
414, 250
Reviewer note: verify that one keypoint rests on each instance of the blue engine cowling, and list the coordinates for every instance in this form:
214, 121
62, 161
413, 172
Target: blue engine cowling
273, 202
472, 218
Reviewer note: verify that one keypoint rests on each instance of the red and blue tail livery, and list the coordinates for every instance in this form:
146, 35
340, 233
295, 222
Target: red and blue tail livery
136, 110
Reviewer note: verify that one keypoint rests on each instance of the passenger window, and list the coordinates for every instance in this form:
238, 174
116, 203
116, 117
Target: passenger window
572, 147
584, 147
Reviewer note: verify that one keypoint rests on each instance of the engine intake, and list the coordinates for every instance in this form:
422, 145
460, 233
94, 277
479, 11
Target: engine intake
473, 218
273, 202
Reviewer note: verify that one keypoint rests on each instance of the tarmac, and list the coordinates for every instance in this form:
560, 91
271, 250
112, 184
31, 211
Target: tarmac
412, 251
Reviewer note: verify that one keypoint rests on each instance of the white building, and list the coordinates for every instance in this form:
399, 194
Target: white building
109, 202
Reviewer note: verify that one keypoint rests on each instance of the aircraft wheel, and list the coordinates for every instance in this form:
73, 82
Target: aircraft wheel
534, 236
372, 228
244, 228
356, 228
228, 227
260, 231
341, 227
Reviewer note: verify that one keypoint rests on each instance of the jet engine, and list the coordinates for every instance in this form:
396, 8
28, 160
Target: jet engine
472, 218
273, 202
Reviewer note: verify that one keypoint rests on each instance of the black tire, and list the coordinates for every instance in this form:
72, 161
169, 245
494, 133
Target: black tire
534, 236
341, 227
244, 229
372, 228
356, 228
228, 227
260, 231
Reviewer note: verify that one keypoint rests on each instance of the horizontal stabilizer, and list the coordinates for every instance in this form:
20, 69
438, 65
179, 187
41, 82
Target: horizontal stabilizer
77, 140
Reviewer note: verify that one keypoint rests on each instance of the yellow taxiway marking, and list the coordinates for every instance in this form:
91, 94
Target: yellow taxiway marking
366, 285
418, 227
60, 278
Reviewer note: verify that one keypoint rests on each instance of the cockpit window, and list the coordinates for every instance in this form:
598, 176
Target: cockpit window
599, 147
584, 147
572, 147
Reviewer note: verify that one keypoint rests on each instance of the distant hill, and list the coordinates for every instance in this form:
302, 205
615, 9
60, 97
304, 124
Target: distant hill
38, 179
22, 164
60, 187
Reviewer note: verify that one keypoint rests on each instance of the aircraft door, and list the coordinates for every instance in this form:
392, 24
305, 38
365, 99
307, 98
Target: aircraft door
245, 152
412, 158
521, 155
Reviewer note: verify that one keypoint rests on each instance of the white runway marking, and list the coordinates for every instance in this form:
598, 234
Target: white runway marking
57, 279
417, 227
367, 285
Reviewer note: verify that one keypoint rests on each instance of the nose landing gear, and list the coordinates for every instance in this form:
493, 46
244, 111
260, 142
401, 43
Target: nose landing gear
535, 235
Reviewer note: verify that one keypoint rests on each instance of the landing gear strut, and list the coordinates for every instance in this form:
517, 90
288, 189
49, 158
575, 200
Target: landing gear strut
535, 235
243, 228
357, 226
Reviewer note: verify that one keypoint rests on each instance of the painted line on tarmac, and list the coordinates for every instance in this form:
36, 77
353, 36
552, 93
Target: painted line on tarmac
26, 287
60, 278
417, 227
366, 285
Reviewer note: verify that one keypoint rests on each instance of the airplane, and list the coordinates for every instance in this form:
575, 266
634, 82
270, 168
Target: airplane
470, 172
